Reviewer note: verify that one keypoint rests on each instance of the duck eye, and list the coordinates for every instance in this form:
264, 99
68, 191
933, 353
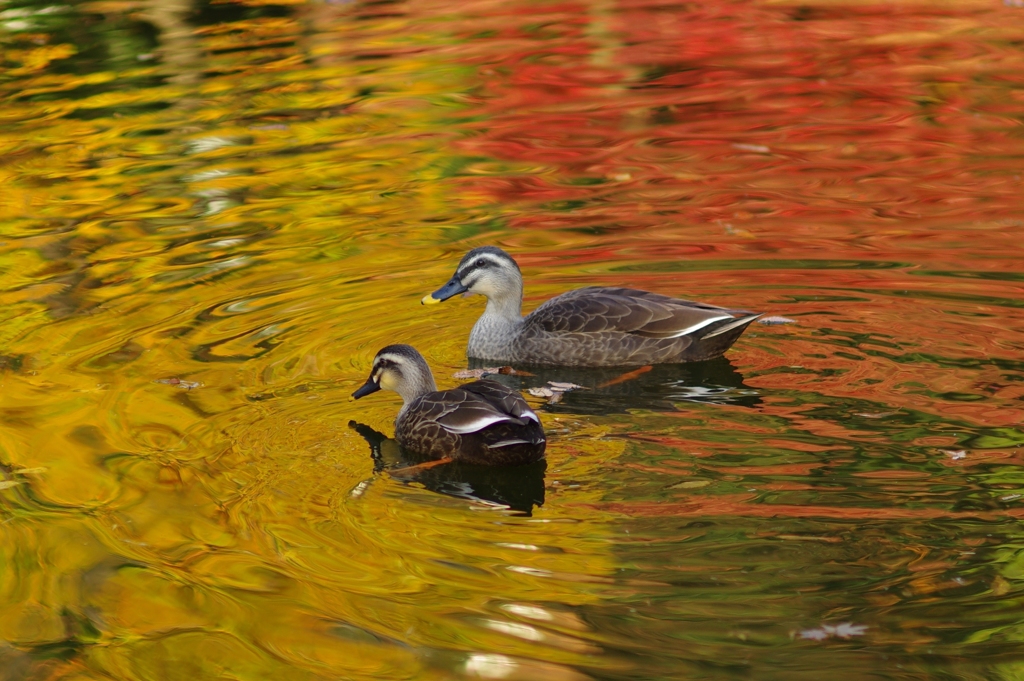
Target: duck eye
478, 263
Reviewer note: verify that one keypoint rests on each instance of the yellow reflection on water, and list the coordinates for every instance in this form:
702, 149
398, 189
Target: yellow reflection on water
196, 272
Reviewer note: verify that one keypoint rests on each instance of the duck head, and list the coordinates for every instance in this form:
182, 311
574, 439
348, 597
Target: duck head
487, 270
399, 368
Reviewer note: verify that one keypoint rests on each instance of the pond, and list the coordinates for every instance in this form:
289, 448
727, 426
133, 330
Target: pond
214, 214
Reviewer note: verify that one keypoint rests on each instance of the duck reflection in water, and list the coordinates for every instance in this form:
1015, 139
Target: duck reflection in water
610, 390
519, 488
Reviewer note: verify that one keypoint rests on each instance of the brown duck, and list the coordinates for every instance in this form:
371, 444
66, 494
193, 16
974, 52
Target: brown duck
482, 422
593, 326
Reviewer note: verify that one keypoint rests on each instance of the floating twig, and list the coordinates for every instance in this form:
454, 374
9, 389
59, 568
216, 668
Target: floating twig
416, 468
628, 376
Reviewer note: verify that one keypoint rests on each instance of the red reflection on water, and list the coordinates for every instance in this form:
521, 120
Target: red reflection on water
734, 111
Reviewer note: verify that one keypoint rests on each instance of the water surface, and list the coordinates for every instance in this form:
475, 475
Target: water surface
213, 215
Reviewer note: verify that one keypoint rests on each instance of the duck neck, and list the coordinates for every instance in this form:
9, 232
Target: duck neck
506, 308
505, 303
495, 332
497, 326
416, 386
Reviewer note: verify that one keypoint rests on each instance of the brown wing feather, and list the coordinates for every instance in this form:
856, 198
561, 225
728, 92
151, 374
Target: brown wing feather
504, 399
650, 315
470, 408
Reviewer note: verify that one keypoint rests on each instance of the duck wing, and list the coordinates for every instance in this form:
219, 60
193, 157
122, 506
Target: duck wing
503, 398
598, 309
524, 429
474, 406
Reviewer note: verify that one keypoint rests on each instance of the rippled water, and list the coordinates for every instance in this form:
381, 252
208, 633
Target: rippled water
213, 215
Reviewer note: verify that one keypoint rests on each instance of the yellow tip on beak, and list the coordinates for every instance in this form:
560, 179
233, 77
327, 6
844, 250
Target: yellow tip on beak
429, 300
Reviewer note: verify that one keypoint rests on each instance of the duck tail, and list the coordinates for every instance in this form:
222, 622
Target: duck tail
516, 441
725, 328
508, 443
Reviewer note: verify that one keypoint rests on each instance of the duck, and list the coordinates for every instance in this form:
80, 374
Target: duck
589, 327
482, 422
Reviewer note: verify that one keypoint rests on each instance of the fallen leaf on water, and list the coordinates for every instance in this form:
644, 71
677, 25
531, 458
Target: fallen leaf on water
957, 455
691, 484
178, 383
844, 630
775, 319
7, 484
558, 385
497, 666
554, 395
554, 390
759, 148
490, 371
875, 415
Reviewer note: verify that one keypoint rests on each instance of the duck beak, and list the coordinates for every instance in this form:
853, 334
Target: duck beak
453, 288
367, 388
